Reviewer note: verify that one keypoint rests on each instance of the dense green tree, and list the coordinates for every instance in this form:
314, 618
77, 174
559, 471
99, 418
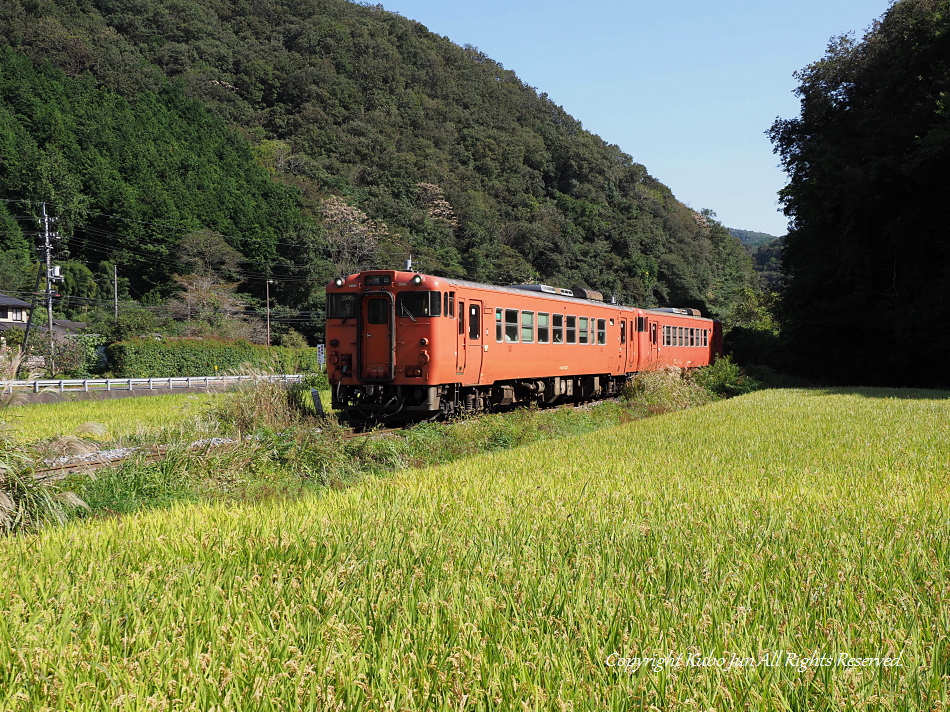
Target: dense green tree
867, 259
472, 172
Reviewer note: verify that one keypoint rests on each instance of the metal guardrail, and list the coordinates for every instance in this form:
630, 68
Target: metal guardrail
133, 384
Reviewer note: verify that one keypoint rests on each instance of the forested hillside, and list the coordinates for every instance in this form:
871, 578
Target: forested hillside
867, 259
752, 238
320, 136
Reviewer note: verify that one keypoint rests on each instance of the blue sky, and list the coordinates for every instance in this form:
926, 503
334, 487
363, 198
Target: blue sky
686, 87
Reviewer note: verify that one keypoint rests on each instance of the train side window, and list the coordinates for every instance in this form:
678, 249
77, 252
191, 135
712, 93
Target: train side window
705, 337
511, 326
682, 336
557, 322
667, 339
642, 324
499, 326
452, 304
582, 329
601, 331
474, 321
691, 337
544, 333
572, 329
527, 327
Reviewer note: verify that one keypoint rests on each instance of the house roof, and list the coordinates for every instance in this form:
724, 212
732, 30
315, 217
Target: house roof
6, 301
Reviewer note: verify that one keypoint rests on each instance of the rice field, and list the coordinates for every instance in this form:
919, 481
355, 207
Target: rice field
122, 417
786, 550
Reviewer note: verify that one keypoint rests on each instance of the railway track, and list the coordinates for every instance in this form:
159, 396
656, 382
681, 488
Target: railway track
90, 462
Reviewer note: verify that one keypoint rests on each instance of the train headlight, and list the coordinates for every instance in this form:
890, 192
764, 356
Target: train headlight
338, 282
417, 280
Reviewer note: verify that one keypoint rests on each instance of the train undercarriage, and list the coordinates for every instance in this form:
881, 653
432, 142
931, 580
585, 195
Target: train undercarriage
378, 403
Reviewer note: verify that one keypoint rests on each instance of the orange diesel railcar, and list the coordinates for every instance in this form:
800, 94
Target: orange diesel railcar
404, 346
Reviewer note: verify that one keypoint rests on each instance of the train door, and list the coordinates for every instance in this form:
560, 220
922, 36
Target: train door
461, 350
376, 345
654, 344
629, 338
474, 343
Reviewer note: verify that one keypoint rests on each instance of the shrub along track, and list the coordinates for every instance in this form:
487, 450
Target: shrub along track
58, 468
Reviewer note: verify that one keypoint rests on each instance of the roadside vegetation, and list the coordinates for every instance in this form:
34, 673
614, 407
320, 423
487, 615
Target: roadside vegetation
264, 441
510, 580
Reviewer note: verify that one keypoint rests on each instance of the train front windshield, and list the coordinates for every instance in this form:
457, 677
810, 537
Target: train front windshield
419, 304
341, 306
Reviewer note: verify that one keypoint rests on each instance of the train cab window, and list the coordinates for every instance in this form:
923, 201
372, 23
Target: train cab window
499, 326
511, 326
557, 324
474, 322
527, 327
544, 332
377, 311
642, 324
341, 306
601, 331
418, 304
572, 329
445, 303
582, 330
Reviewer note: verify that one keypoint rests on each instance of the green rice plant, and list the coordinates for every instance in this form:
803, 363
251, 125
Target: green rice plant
734, 546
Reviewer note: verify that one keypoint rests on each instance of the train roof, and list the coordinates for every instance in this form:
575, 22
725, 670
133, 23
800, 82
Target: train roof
539, 290
548, 292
